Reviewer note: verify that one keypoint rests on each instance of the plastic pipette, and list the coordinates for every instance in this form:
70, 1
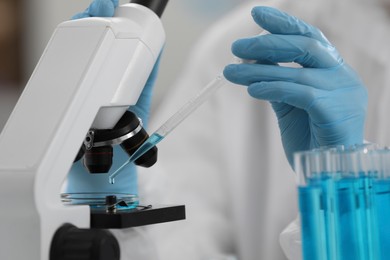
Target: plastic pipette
179, 116
174, 121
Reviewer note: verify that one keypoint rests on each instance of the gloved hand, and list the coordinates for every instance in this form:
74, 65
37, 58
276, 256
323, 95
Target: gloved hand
320, 104
99, 8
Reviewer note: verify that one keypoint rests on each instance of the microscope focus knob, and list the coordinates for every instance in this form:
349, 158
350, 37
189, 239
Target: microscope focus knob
72, 243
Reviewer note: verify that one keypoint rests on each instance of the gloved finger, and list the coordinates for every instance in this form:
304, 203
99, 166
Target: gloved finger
81, 15
98, 8
278, 22
102, 8
247, 74
292, 119
293, 94
287, 48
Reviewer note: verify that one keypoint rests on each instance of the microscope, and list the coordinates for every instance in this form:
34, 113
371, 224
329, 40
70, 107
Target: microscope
74, 107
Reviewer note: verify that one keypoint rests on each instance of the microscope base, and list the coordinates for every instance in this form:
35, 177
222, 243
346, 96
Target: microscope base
139, 216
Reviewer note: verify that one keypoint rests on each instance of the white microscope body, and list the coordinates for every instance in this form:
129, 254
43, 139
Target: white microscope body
90, 72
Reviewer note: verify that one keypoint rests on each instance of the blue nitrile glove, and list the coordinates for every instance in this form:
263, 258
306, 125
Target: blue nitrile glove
79, 180
321, 104
99, 8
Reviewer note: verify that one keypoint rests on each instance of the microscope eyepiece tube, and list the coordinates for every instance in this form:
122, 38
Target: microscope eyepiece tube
156, 6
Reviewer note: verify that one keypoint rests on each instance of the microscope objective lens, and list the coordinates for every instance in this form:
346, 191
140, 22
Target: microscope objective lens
154, 139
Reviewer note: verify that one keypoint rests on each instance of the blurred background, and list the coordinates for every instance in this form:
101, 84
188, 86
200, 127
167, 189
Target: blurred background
26, 27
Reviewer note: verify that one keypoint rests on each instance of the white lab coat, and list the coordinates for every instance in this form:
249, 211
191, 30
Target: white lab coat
226, 162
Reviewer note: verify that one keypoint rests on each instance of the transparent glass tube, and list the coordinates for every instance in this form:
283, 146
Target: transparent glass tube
175, 119
344, 201
191, 105
179, 116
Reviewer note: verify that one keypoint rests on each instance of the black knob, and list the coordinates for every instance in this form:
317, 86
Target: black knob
72, 243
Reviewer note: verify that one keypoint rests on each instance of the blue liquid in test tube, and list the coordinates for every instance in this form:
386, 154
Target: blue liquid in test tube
345, 214
382, 206
312, 221
349, 232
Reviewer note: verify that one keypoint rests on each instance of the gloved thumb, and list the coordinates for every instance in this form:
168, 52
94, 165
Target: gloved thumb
102, 8
290, 240
98, 8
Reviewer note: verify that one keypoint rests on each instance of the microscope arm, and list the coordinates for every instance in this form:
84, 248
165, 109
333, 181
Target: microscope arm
90, 72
